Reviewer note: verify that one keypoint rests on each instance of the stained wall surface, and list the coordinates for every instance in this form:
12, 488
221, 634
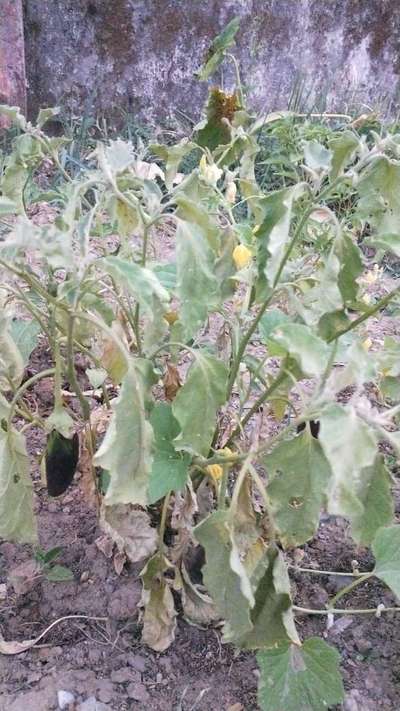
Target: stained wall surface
141, 55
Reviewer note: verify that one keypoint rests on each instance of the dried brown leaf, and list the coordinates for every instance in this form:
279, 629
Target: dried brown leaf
130, 530
172, 381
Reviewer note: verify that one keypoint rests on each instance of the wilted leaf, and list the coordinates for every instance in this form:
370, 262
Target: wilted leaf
182, 521
17, 522
299, 475
172, 381
196, 404
224, 576
271, 617
273, 234
198, 607
300, 678
159, 616
144, 286
130, 530
386, 549
126, 449
25, 576
169, 470
377, 502
350, 447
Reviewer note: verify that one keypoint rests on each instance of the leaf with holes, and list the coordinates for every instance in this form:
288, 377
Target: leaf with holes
299, 474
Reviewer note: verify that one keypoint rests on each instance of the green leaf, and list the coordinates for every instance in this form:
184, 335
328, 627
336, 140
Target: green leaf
50, 555
25, 335
144, 286
224, 576
14, 114
377, 501
380, 201
11, 361
59, 574
299, 475
115, 157
300, 678
271, 319
349, 446
196, 403
218, 47
126, 449
351, 267
192, 212
45, 115
310, 352
317, 157
343, 146
7, 207
197, 285
166, 275
386, 549
273, 234
170, 468
172, 156
271, 617
17, 522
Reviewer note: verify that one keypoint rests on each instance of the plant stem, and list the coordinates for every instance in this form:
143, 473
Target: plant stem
256, 406
316, 571
344, 611
163, 521
361, 579
223, 487
370, 312
71, 370
243, 345
27, 384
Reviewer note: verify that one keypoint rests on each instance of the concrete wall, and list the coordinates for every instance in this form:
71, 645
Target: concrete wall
12, 56
141, 54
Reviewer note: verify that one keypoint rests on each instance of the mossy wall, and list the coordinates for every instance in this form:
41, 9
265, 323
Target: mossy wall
141, 55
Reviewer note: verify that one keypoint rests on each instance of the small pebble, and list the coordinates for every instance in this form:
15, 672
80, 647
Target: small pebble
64, 698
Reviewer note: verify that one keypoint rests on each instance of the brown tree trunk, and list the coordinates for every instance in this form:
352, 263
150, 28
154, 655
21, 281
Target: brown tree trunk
12, 56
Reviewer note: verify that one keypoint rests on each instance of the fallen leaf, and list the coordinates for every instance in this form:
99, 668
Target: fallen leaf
105, 544
119, 561
24, 577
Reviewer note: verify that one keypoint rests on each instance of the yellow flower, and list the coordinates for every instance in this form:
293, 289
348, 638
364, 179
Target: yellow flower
366, 298
171, 317
215, 471
367, 344
241, 256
